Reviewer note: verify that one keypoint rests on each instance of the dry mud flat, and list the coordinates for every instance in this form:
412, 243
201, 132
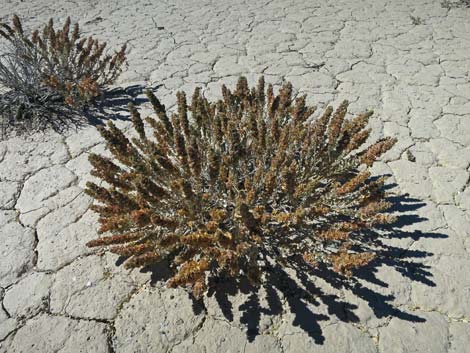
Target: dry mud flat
409, 60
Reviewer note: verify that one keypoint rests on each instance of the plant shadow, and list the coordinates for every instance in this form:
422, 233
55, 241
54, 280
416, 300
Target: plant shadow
113, 105
301, 289
56, 116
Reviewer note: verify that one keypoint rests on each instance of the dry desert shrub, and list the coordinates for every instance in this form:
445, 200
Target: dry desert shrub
52, 68
455, 4
225, 188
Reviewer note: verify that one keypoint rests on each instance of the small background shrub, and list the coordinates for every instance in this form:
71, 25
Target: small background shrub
50, 71
230, 188
455, 4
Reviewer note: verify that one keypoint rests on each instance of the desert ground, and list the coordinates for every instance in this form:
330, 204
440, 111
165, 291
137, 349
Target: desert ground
407, 60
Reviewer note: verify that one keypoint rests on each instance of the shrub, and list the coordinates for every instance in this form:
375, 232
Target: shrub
223, 188
455, 4
50, 68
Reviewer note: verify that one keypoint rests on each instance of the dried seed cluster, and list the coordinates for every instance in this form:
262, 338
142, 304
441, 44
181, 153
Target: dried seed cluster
221, 188
55, 65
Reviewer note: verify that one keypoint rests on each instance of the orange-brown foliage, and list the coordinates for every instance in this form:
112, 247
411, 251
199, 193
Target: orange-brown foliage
220, 186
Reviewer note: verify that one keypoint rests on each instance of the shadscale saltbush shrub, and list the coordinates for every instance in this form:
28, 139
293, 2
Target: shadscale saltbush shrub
49, 68
223, 189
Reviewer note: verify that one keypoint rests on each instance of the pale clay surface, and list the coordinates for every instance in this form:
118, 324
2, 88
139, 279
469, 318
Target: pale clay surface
58, 296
